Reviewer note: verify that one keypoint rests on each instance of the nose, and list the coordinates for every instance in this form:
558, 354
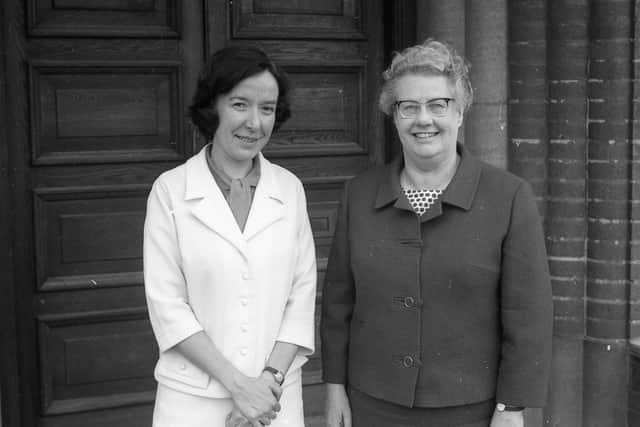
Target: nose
253, 118
424, 116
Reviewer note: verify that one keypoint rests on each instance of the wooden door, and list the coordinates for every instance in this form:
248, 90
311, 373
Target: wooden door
333, 53
96, 100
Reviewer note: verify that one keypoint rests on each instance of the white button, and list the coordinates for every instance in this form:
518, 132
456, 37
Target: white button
245, 276
244, 328
244, 301
243, 351
183, 366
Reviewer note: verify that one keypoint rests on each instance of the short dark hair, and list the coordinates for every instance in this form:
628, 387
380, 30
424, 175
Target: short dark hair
223, 71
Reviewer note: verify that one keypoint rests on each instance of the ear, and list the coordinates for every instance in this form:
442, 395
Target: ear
460, 117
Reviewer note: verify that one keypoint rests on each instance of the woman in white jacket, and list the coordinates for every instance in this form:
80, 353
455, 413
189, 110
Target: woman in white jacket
229, 260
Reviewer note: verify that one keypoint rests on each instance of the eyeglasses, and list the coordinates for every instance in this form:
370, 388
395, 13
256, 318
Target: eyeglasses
409, 109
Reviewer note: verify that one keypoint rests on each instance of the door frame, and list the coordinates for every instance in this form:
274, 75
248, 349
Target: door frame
9, 378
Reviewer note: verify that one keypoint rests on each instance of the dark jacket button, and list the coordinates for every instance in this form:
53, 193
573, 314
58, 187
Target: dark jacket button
407, 361
409, 302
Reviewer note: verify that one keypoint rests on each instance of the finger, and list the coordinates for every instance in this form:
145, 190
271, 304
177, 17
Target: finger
277, 407
277, 393
275, 389
346, 417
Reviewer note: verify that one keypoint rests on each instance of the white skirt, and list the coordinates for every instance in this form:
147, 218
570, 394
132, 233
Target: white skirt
177, 409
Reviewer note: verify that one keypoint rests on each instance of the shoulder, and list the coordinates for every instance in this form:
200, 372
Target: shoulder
172, 178
500, 181
280, 173
283, 178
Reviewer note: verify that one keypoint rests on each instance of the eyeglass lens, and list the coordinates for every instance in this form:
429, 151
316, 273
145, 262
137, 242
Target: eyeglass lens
410, 109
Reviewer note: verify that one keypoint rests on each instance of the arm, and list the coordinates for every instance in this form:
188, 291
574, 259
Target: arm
298, 319
173, 321
338, 298
526, 308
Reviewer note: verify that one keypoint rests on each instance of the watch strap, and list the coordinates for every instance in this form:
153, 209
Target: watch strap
501, 407
277, 375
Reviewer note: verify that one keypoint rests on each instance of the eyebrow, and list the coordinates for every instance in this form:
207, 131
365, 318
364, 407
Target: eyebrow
242, 98
428, 100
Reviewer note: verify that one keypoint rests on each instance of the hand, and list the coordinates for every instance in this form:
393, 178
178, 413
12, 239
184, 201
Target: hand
269, 377
337, 408
255, 399
236, 419
507, 419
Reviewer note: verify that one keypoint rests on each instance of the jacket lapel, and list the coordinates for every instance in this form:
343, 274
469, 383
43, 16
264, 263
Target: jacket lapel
268, 204
208, 204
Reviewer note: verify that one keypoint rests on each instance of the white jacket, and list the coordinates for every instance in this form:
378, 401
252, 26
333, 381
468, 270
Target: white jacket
246, 290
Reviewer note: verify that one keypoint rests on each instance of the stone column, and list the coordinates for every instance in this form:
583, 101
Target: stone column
566, 221
609, 152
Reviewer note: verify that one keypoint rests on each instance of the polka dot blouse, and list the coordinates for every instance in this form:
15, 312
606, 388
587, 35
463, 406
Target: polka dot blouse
421, 200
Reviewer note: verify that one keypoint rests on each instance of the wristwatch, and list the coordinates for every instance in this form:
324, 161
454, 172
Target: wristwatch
277, 375
501, 407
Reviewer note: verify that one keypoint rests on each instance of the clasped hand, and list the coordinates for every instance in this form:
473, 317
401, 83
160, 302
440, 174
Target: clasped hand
255, 401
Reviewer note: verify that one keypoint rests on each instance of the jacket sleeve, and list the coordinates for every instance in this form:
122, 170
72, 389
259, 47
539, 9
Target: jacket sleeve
526, 308
171, 316
298, 323
338, 298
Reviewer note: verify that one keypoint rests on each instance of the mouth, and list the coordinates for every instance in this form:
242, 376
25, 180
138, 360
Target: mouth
425, 135
248, 139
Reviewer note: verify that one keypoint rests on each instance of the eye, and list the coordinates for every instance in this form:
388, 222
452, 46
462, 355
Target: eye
409, 107
239, 105
268, 109
439, 106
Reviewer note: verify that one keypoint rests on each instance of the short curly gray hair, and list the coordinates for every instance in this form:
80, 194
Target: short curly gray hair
429, 58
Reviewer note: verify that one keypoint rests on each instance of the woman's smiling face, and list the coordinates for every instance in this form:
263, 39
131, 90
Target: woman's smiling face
246, 117
426, 137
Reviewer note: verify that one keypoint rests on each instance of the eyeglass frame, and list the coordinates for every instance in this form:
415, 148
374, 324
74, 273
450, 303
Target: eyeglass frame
422, 103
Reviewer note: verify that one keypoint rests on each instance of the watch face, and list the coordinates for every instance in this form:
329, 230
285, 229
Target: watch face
279, 377
500, 407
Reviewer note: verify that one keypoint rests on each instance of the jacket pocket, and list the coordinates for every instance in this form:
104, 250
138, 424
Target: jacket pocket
175, 367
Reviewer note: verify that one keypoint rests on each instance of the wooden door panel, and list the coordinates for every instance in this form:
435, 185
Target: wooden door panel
105, 112
263, 19
325, 104
96, 360
89, 237
104, 18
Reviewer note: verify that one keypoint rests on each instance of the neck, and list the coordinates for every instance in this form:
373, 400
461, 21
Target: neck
233, 169
434, 177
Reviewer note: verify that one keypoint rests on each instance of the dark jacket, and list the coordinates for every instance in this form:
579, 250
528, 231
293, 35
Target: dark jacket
446, 309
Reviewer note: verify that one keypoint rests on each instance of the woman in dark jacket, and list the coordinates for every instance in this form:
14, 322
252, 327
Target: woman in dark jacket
437, 306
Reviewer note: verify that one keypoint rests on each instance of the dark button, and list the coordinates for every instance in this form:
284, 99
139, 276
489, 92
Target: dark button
407, 361
409, 302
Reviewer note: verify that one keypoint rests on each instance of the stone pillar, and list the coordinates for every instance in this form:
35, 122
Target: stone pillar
486, 49
527, 144
608, 245
527, 121
566, 221
443, 20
